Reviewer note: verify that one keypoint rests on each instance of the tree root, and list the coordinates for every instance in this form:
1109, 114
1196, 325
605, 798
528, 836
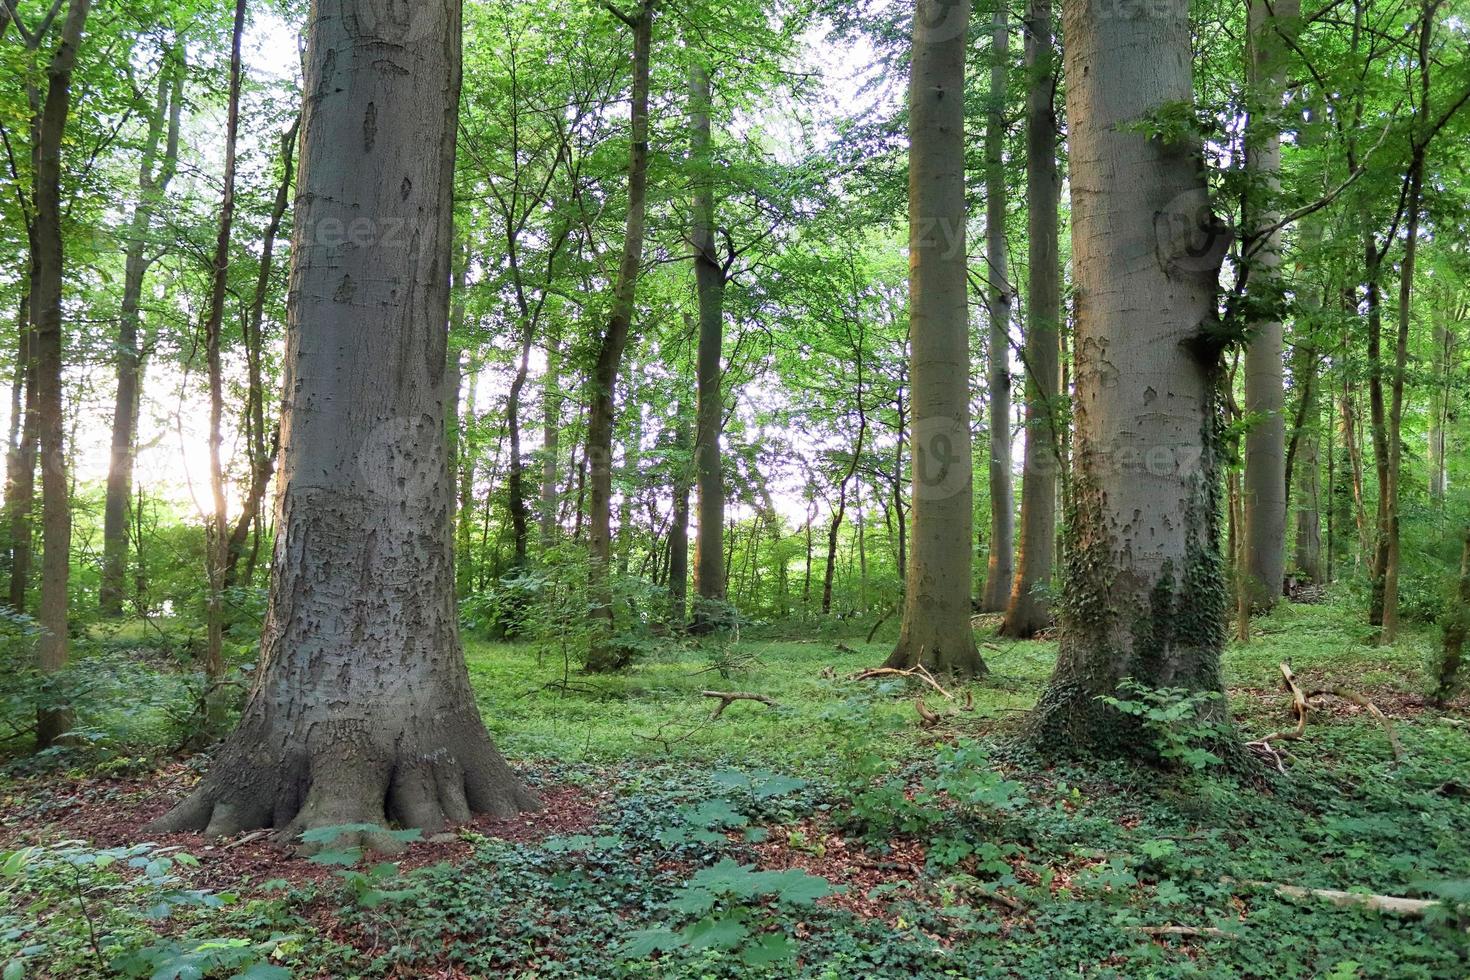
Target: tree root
729, 697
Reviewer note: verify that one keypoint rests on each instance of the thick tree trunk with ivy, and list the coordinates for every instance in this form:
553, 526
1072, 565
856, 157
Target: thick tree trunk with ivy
936, 608
999, 569
1272, 23
362, 710
1145, 590
47, 266
603, 654
154, 177
1029, 611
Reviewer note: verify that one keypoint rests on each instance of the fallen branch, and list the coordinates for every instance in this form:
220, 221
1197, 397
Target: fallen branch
729, 697
1413, 908
1372, 709
1298, 709
917, 672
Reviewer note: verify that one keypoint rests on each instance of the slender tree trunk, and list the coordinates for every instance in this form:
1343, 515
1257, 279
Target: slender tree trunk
1440, 403
1378, 423
709, 277
217, 537
20, 482
679, 526
520, 512
262, 453
999, 568
153, 181
1264, 486
936, 612
1028, 611
48, 266
1145, 591
362, 709
614, 341
1308, 520
551, 399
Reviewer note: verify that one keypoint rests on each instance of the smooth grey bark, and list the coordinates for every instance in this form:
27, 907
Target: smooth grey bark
678, 561
153, 180
1000, 567
1145, 590
362, 709
1271, 22
709, 278
1308, 519
48, 265
612, 344
936, 606
1028, 610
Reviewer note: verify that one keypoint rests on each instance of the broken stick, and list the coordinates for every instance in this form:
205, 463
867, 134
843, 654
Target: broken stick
729, 697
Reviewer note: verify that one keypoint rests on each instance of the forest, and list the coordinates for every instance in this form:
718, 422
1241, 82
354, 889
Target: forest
657, 488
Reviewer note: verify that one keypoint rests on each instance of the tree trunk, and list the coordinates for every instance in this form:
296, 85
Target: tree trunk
936, 607
262, 454
1000, 566
679, 526
48, 265
1028, 611
163, 130
551, 440
602, 655
1264, 485
1440, 406
362, 709
20, 479
1456, 627
217, 541
709, 278
1308, 520
1145, 590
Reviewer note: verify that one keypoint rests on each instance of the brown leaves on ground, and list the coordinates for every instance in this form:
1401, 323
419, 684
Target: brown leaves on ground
112, 812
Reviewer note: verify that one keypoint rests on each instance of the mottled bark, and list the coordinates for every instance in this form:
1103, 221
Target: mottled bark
362, 709
999, 568
48, 264
679, 525
1028, 611
153, 180
1308, 519
936, 608
1457, 626
612, 344
1145, 592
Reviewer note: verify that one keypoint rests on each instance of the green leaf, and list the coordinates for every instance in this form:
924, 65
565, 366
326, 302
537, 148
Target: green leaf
725, 932
771, 948
646, 942
263, 971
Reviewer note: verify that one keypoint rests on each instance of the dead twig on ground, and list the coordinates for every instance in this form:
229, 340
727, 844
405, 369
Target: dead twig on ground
729, 697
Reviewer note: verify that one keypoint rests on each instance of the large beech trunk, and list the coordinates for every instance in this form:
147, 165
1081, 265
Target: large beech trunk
1264, 487
1000, 566
362, 709
47, 266
1145, 589
1028, 611
153, 180
613, 343
709, 276
936, 607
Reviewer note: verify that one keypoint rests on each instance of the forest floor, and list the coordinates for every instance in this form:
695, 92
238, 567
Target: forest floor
826, 836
